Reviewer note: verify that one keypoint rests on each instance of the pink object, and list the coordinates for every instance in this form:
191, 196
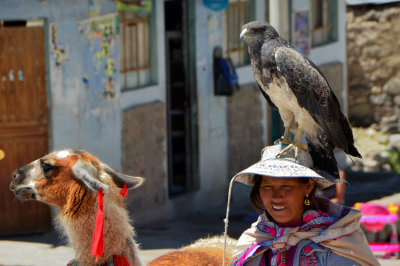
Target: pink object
375, 216
311, 214
384, 247
307, 249
379, 218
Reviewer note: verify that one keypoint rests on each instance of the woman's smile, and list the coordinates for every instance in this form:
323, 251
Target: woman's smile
278, 207
283, 198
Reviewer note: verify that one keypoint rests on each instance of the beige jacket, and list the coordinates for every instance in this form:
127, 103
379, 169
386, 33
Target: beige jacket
344, 237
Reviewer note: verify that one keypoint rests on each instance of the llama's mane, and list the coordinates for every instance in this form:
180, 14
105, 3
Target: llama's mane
60, 229
118, 232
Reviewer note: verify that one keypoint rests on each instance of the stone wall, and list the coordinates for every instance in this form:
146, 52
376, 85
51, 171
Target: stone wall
373, 57
144, 154
245, 128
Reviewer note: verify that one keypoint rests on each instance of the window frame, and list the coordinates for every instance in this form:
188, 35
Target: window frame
151, 48
238, 50
329, 26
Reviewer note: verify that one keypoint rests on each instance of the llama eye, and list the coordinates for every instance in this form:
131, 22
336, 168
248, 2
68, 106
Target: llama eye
46, 166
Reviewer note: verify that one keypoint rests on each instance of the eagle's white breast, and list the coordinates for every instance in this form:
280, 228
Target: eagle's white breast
286, 102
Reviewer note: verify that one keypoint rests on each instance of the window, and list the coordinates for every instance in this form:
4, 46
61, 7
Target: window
324, 22
136, 62
237, 14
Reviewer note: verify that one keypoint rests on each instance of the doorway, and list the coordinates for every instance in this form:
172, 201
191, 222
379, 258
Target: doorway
23, 121
181, 103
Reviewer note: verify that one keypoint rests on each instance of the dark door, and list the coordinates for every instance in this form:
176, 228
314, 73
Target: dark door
23, 122
179, 98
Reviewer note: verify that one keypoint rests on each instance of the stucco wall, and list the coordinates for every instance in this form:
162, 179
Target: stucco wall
374, 65
83, 115
245, 128
144, 152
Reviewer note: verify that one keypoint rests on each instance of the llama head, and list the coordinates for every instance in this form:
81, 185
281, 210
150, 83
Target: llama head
50, 178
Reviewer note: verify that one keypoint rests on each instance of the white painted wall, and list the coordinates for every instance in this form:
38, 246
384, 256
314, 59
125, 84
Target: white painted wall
279, 16
212, 109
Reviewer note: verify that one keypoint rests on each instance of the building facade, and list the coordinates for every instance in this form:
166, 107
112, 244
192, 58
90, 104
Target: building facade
134, 83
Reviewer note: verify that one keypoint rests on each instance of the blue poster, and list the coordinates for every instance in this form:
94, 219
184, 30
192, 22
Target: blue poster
216, 5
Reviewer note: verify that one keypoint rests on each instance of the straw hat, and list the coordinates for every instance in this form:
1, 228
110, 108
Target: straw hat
275, 164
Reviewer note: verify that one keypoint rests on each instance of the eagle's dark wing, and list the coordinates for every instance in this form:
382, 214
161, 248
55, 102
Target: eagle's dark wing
315, 95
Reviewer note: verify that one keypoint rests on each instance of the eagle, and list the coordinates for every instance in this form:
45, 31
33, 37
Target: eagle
294, 85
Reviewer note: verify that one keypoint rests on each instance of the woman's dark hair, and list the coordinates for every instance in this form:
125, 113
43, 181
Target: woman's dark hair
255, 198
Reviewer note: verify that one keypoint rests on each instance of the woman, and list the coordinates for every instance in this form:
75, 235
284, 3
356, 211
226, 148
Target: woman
296, 227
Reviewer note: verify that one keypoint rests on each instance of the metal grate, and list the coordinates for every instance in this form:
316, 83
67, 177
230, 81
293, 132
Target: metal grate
135, 50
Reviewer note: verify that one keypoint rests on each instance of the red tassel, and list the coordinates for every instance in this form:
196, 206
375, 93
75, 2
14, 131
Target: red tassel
97, 244
124, 191
120, 261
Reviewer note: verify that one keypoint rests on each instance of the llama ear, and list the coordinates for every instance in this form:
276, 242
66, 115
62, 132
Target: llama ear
89, 175
120, 179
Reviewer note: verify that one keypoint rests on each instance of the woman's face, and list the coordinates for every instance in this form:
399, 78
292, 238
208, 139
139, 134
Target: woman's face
283, 198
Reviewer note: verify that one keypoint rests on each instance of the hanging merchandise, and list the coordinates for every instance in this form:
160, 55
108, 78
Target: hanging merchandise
216, 5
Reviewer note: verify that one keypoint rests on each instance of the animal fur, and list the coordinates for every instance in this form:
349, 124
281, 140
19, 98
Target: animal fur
70, 180
204, 252
55, 180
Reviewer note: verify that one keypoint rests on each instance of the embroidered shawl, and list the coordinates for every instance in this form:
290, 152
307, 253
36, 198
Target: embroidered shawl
339, 231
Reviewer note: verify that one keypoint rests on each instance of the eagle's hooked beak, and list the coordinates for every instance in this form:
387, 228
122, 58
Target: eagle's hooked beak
243, 34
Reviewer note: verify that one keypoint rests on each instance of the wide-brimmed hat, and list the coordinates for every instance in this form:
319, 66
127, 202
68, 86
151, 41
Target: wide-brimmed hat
273, 163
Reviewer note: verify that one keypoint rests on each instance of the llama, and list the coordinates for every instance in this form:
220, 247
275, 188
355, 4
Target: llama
203, 252
73, 180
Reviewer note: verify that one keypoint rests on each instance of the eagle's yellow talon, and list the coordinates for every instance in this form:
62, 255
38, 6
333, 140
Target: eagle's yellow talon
284, 141
303, 146
293, 147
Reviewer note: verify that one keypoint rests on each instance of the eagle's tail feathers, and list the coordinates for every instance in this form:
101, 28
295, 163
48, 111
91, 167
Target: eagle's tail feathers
323, 159
353, 151
348, 134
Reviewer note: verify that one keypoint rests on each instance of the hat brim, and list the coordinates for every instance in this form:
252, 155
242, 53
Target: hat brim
281, 168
